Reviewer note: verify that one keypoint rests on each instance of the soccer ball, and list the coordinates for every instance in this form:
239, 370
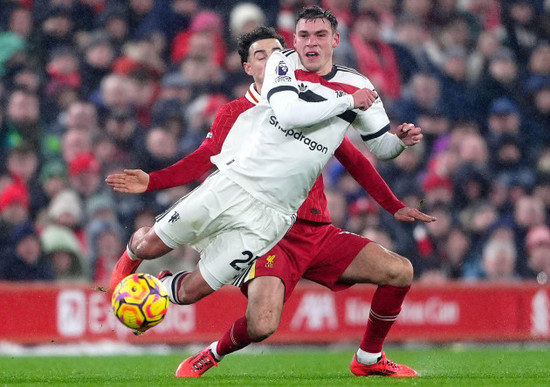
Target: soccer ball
140, 301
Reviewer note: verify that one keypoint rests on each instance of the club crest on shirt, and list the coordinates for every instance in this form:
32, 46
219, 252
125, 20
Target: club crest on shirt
269, 259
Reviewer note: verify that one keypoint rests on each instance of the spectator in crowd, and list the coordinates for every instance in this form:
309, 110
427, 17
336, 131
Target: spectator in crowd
63, 250
22, 121
114, 93
470, 186
14, 209
423, 94
75, 141
78, 114
538, 94
161, 149
63, 71
523, 31
19, 21
500, 80
25, 261
122, 127
456, 253
203, 39
412, 36
85, 175
499, 260
364, 213
453, 33
175, 86
22, 163
97, 59
455, 85
66, 209
53, 179
106, 245
488, 43
55, 29
375, 57
115, 22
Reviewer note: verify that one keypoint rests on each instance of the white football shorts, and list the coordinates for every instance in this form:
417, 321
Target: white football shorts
226, 225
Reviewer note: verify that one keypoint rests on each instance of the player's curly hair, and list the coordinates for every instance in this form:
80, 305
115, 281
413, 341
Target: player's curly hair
260, 33
316, 12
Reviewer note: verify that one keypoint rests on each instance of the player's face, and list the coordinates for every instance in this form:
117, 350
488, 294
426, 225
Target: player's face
258, 53
315, 42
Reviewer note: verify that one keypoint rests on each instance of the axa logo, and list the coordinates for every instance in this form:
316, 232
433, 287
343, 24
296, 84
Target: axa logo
174, 218
316, 312
269, 259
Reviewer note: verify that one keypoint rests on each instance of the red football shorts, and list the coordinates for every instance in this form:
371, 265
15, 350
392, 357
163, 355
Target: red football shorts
315, 251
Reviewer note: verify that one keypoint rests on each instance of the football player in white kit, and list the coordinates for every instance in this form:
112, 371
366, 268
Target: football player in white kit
268, 163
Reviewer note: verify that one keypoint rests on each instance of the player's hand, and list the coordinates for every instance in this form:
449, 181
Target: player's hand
408, 214
131, 181
364, 98
409, 134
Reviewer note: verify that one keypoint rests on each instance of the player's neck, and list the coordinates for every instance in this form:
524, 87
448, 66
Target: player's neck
258, 87
325, 70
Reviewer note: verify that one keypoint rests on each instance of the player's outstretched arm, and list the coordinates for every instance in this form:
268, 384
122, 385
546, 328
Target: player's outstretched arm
408, 214
131, 181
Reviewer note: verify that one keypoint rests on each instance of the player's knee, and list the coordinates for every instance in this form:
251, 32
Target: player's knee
401, 273
262, 329
142, 246
407, 272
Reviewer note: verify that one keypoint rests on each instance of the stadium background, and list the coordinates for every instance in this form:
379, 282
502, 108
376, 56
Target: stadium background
91, 87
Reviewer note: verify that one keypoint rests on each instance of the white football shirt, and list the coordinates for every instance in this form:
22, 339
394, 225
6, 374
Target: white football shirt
277, 149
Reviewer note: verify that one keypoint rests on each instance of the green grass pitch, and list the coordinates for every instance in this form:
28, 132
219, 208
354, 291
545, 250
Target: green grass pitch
503, 366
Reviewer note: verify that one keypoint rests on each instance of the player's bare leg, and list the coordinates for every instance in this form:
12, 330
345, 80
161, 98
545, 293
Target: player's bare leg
144, 245
393, 274
264, 308
263, 313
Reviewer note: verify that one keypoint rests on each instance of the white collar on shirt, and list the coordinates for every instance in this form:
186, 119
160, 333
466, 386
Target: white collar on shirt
252, 95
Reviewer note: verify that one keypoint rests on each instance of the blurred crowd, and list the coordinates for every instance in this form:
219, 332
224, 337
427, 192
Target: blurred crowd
90, 87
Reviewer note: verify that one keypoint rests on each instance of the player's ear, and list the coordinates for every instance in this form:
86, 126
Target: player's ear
247, 68
335, 40
294, 40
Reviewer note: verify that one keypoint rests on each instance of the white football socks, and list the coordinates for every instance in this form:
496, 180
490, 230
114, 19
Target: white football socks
132, 256
213, 349
367, 358
170, 283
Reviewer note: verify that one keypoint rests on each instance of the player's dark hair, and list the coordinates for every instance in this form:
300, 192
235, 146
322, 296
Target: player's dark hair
260, 33
316, 12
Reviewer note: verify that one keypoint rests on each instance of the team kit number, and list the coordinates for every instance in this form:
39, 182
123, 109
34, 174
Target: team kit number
243, 263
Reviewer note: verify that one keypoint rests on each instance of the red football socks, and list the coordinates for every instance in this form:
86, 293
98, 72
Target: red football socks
235, 338
385, 307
